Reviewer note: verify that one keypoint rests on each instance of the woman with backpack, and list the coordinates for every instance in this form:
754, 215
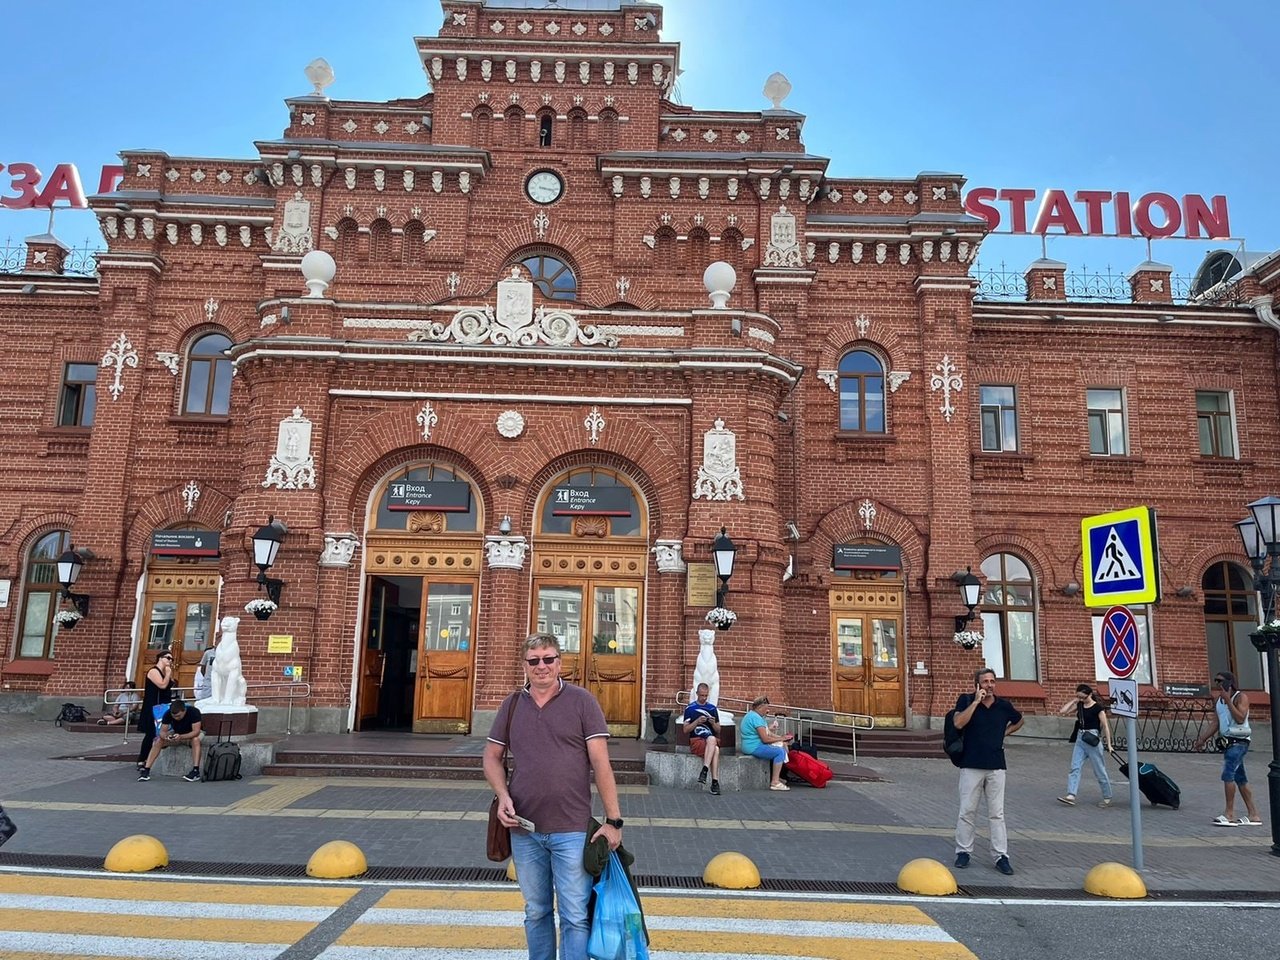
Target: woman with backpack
157, 690
1091, 735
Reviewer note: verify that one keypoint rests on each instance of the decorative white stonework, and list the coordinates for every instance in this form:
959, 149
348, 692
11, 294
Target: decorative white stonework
379, 179
144, 171
670, 556
731, 188
944, 251
451, 283
863, 323
171, 233
1157, 285
515, 322
897, 378
867, 511
947, 378
742, 136
674, 184
505, 552
606, 29
412, 127
426, 419
541, 222
910, 196
782, 133
308, 119
939, 193
197, 233
885, 197
119, 355
710, 136
190, 494
224, 176
834, 195
718, 477
497, 26
678, 135
459, 19
197, 175
810, 250
292, 466
510, 424
860, 197
616, 183
594, 424
882, 251
553, 28
170, 360
171, 175
524, 26
784, 247
904, 253
704, 188
829, 377
40, 256
1049, 283
339, 548
776, 89
319, 74
350, 126
646, 186
220, 234
295, 227
784, 189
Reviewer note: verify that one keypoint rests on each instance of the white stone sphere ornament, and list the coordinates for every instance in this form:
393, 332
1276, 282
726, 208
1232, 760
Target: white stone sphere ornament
719, 278
318, 269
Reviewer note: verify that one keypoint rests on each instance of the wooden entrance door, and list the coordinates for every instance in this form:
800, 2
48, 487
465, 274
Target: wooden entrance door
179, 614
446, 657
598, 625
866, 631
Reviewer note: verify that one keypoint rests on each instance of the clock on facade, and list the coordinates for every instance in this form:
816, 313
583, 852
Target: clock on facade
544, 187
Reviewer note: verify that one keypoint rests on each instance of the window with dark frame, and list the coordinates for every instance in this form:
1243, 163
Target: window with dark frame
1230, 615
208, 382
1009, 618
999, 415
862, 402
553, 277
1106, 422
79, 398
41, 597
544, 130
1215, 424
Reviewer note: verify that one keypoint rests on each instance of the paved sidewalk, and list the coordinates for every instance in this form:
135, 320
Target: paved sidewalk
849, 831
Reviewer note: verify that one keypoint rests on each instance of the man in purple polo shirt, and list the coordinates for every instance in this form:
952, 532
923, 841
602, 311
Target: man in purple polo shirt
558, 739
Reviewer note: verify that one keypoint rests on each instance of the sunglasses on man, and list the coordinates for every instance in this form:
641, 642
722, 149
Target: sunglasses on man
534, 661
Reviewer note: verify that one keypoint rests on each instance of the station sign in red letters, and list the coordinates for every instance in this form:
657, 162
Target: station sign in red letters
1089, 212
27, 187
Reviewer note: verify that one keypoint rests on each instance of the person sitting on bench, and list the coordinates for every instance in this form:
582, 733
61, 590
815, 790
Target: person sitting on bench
760, 741
702, 725
180, 724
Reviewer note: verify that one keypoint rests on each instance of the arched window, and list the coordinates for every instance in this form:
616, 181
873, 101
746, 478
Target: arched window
413, 246
515, 127
208, 380
862, 393
616, 510
40, 596
664, 251
1009, 618
552, 276
731, 249
399, 506
483, 119
348, 239
546, 120
608, 129
1230, 615
697, 251
577, 128
380, 241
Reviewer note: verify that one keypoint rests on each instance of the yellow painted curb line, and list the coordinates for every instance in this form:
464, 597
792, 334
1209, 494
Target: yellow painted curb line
732, 871
136, 854
337, 860
927, 877
1115, 880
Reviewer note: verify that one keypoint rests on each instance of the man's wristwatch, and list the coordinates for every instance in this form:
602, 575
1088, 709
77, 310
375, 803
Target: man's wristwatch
616, 824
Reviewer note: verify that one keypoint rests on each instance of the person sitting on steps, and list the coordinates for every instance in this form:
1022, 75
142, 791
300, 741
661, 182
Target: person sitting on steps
759, 741
702, 725
180, 724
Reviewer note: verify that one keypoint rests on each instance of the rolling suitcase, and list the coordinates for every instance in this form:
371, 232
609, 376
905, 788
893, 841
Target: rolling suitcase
814, 772
1154, 783
222, 761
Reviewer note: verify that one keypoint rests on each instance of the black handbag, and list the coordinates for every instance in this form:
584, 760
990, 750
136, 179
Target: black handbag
1090, 738
7, 827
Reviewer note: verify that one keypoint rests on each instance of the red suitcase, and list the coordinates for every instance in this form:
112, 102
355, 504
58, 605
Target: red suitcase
807, 768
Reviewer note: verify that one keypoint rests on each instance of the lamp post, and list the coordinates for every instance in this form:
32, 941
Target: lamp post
970, 590
1260, 535
723, 552
266, 544
69, 567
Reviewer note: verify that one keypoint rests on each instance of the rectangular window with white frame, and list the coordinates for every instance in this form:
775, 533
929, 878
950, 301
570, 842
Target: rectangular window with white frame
1145, 672
1216, 424
1108, 429
999, 415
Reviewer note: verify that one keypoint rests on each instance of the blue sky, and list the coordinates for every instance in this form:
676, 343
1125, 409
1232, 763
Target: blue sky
1175, 96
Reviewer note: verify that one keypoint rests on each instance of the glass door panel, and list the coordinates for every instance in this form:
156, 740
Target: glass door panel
195, 633
559, 613
446, 658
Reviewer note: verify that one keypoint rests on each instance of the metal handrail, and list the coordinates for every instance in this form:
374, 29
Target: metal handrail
291, 691
802, 719
1169, 726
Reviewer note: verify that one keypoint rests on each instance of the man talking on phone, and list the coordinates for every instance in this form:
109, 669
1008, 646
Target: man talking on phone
986, 720
558, 738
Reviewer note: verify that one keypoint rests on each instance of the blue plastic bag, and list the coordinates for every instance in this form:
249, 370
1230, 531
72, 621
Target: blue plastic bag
616, 929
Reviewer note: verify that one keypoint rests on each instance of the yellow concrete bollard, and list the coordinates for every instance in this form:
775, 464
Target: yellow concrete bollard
136, 854
732, 871
511, 870
337, 860
1115, 880
927, 877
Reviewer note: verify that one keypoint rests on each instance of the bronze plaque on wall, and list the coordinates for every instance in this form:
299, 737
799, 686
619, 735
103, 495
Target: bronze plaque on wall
701, 585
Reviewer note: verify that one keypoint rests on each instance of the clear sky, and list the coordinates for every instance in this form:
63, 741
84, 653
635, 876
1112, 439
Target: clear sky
1138, 95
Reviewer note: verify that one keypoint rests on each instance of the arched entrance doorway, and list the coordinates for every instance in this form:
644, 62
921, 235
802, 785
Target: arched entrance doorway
422, 582
866, 606
180, 601
589, 562
1230, 615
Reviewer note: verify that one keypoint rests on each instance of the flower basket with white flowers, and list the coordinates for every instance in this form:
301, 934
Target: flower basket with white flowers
721, 618
968, 638
1266, 636
68, 618
261, 608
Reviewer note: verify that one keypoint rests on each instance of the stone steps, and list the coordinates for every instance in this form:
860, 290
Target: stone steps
410, 766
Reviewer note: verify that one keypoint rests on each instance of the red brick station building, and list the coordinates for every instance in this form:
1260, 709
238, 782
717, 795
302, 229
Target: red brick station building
512, 406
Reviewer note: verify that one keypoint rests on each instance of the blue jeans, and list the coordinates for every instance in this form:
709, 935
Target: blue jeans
548, 863
1233, 763
772, 752
1094, 755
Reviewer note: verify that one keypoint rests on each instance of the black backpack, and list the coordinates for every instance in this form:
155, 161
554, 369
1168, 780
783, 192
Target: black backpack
72, 713
952, 739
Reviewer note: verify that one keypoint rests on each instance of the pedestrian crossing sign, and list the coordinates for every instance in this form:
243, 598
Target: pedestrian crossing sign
1121, 558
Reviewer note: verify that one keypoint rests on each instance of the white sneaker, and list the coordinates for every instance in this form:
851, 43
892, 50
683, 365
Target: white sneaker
778, 786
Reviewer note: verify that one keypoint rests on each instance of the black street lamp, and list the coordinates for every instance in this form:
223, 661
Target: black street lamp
69, 567
266, 544
1260, 535
723, 552
970, 591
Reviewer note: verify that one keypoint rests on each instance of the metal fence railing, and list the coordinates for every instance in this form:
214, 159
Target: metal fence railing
255, 693
1167, 726
799, 720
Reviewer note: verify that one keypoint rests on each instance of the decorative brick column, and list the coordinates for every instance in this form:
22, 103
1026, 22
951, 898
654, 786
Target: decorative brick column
1151, 282
1047, 280
45, 254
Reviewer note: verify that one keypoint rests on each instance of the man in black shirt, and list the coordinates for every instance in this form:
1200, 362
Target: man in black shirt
180, 724
986, 720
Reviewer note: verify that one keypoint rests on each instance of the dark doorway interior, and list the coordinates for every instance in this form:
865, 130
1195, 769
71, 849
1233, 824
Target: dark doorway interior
396, 638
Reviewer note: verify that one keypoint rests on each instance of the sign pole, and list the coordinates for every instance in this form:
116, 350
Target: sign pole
1135, 795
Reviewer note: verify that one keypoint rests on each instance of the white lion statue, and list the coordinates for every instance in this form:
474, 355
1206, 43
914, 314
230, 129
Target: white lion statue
228, 677
706, 670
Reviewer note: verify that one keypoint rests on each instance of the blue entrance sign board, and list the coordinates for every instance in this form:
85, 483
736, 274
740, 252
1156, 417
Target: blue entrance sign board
1120, 642
1121, 558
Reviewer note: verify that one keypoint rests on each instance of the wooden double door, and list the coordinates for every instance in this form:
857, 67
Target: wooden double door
867, 651
599, 624
180, 613
417, 666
